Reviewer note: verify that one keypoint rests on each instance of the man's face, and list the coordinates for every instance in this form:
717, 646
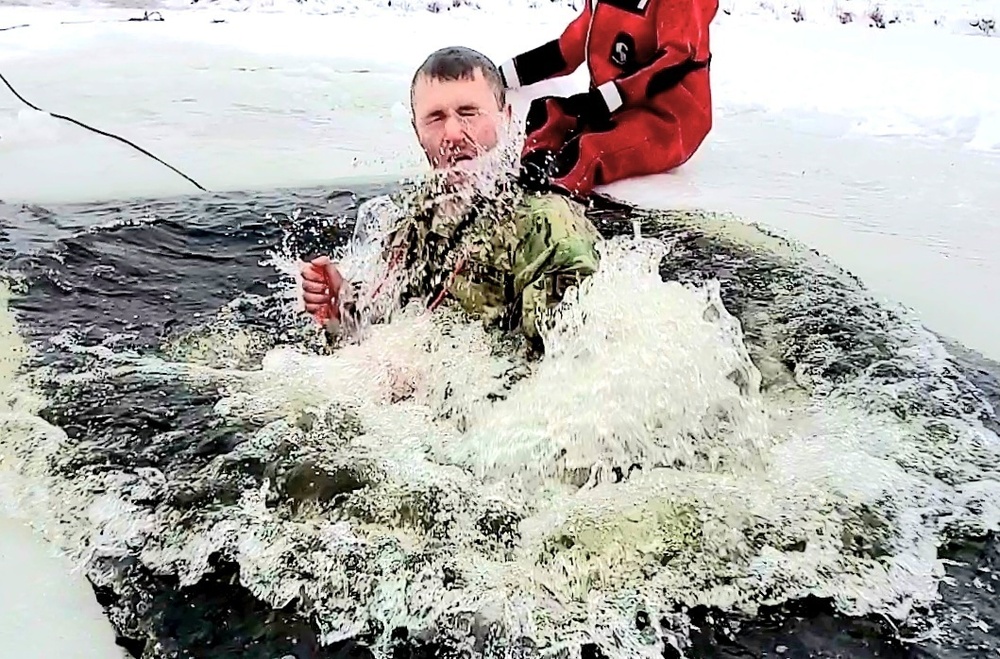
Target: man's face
457, 120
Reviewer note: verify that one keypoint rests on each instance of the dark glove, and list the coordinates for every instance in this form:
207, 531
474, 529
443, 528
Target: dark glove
589, 107
535, 174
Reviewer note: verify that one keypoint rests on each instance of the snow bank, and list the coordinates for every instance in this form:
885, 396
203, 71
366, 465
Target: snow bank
963, 17
917, 81
48, 609
967, 17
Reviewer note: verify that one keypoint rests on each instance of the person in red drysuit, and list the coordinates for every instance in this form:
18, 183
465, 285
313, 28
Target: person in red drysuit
649, 107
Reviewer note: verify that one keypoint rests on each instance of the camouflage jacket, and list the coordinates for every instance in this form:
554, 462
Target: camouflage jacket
503, 263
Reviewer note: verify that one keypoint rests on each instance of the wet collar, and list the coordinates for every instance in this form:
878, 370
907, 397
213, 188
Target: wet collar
432, 216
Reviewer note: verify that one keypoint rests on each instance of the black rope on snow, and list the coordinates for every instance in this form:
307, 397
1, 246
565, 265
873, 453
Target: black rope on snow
98, 131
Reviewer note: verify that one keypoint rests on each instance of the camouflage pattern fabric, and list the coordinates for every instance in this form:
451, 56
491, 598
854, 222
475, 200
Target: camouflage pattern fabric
504, 262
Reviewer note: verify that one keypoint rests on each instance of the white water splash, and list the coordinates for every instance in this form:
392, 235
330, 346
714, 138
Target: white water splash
482, 493
753, 502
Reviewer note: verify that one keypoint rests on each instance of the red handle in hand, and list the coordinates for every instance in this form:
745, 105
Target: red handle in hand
322, 316
324, 313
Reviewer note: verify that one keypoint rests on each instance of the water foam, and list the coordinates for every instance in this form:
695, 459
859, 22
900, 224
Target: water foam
451, 434
426, 473
637, 466
428, 477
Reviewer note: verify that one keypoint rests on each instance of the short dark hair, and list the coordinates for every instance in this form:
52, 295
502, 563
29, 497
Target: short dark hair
460, 63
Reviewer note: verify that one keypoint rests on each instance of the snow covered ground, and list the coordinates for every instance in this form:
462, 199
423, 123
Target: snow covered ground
46, 610
880, 148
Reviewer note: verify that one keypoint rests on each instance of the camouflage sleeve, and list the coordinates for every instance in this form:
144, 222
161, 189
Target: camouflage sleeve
365, 264
376, 217
557, 248
367, 252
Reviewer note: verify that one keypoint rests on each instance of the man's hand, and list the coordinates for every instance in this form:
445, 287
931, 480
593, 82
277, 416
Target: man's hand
322, 284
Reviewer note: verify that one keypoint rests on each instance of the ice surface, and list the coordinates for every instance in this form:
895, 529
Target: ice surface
266, 100
286, 99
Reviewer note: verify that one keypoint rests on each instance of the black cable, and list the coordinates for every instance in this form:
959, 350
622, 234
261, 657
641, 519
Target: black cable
97, 130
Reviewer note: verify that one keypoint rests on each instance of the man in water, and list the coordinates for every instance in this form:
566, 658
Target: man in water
503, 253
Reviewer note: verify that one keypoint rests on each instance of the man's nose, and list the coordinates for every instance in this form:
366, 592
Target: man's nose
454, 129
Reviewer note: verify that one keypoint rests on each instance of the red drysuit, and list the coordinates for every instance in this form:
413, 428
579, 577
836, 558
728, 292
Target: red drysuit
649, 107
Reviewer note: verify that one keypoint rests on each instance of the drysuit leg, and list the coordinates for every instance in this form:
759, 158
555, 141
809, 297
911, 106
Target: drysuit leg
639, 142
548, 126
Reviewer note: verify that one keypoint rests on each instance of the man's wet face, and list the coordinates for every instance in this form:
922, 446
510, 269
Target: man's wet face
456, 120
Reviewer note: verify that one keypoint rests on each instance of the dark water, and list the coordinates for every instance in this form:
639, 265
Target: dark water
102, 275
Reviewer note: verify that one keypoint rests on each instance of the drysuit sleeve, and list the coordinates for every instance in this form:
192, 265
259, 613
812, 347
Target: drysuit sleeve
681, 32
552, 59
557, 248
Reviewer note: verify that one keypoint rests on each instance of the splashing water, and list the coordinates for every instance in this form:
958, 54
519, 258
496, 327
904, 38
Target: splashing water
483, 180
441, 485
427, 477
597, 403
457, 460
